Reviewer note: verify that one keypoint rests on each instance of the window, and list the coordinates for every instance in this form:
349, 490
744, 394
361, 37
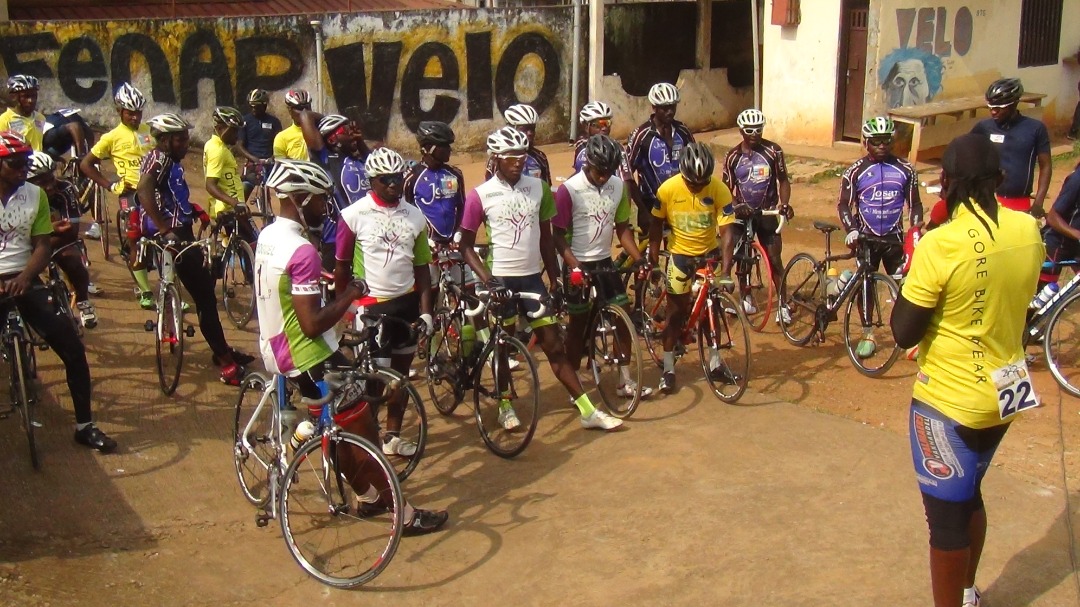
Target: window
1040, 32
649, 42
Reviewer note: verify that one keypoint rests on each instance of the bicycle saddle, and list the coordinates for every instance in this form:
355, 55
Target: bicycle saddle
826, 227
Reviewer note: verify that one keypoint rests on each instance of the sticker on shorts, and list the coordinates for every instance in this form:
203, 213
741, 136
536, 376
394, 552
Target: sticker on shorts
1015, 392
938, 459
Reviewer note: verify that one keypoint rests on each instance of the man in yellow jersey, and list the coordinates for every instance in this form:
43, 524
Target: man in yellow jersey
22, 117
964, 303
290, 143
223, 184
696, 205
125, 145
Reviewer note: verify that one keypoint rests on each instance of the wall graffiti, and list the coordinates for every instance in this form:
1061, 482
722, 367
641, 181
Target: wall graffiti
912, 74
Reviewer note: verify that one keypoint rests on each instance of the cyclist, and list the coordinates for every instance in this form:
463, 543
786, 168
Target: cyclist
1021, 142
169, 214
223, 186
1062, 231
65, 215
125, 145
290, 143
385, 243
296, 331
964, 302
24, 256
653, 149
516, 210
873, 194
524, 118
756, 174
697, 206
23, 116
595, 119
65, 132
592, 206
255, 141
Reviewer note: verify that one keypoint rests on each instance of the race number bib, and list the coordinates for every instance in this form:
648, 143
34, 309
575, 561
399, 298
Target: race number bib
1015, 392
997, 138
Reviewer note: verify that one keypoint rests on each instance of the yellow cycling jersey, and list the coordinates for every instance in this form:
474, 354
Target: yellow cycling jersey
289, 143
30, 127
694, 218
126, 147
220, 163
979, 284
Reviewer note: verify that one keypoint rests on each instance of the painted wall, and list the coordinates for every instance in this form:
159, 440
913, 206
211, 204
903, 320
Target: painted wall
921, 51
459, 66
799, 67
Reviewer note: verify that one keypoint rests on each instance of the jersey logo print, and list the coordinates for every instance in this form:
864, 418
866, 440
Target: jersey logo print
391, 233
599, 213
517, 216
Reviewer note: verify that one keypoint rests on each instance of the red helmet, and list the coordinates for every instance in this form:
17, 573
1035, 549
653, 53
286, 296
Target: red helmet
12, 143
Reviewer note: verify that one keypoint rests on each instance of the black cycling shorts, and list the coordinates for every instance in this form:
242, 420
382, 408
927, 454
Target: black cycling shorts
395, 337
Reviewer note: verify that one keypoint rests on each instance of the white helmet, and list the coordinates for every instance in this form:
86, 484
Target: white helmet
507, 139
750, 118
129, 98
594, 110
663, 93
384, 161
294, 176
40, 164
164, 124
878, 126
521, 115
330, 123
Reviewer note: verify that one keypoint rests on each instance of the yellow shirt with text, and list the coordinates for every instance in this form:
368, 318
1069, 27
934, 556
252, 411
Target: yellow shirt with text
220, 163
30, 127
289, 143
694, 218
126, 147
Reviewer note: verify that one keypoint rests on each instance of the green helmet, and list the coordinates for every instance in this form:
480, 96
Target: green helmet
878, 126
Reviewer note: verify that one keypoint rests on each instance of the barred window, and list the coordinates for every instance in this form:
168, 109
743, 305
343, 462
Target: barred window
1040, 32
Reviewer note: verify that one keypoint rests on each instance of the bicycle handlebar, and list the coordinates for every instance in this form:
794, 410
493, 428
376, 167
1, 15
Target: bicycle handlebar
484, 297
776, 213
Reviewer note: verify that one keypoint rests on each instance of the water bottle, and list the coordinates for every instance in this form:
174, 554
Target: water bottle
304, 431
1045, 295
832, 287
696, 285
468, 339
845, 276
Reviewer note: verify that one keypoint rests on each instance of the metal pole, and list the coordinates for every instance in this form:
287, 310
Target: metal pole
317, 26
757, 53
575, 73
596, 47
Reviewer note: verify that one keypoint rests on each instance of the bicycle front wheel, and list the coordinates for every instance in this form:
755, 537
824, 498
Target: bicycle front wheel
802, 293
444, 361
868, 337
1061, 344
341, 510
255, 439
507, 402
613, 348
238, 282
756, 285
23, 393
170, 339
724, 347
101, 216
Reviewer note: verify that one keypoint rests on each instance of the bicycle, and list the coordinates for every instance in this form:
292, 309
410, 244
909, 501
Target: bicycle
169, 329
259, 198
232, 256
754, 271
61, 292
723, 343
18, 351
91, 199
315, 496
810, 307
457, 364
1056, 325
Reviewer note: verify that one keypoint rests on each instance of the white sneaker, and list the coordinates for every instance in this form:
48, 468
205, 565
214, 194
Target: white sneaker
87, 314
971, 599
508, 419
395, 445
783, 315
414, 373
93, 289
513, 364
628, 390
748, 306
93, 232
600, 420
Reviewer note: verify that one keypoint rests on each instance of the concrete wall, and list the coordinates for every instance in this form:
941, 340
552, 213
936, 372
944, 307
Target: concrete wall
459, 66
941, 49
799, 70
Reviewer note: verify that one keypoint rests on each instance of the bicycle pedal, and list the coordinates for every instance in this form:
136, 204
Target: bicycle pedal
149, 325
37, 424
189, 330
262, 519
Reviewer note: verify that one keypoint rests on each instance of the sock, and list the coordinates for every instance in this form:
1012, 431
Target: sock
584, 405
142, 279
669, 362
504, 404
714, 358
370, 496
79, 427
969, 595
408, 512
624, 371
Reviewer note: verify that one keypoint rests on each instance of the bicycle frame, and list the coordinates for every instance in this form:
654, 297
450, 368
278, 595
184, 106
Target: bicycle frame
1033, 331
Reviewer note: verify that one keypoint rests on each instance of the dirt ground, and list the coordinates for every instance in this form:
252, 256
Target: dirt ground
802, 496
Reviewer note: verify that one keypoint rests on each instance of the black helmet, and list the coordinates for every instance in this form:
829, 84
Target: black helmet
434, 133
603, 153
697, 163
1005, 91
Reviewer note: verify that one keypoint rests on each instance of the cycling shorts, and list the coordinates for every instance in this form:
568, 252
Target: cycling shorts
395, 338
950, 459
891, 255
764, 229
533, 283
609, 289
681, 270
131, 214
1057, 249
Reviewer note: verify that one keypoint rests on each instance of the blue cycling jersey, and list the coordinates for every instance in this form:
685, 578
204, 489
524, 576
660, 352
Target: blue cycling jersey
873, 195
1019, 142
652, 159
440, 195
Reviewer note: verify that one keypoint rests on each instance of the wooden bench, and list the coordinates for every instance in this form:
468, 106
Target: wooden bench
936, 124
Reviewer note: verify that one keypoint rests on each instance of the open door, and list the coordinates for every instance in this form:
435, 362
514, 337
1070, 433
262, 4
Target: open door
851, 81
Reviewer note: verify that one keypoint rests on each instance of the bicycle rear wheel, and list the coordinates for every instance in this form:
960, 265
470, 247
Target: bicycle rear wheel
253, 461
170, 339
341, 510
101, 216
238, 282
497, 390
413, 421
23, 393
613, 345
1061, 344
444, 361
871, 326
724, 347
802, 293
756, 286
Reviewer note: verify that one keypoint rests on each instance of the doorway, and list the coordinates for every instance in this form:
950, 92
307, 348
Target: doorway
851, 79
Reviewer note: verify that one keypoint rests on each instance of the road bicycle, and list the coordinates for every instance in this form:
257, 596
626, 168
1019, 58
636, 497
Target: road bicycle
867, 297
1056, 326
754, 271
169, 328
259, 199
92, 198
61, 291
234, 267
18, 350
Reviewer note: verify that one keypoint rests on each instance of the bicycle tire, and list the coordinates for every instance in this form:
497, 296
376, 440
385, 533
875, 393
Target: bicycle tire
413, 425
101, 216
24, 393
756, 270
723, 326
1061, 342
62, 296
443, 365
487, 401
238, 282
255, 479
649, 317
604, 358
170, 339
316, 498
802, 292
879, 325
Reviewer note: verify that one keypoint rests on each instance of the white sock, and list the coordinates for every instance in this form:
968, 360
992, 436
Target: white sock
625, 373
669, 362
79, 427
969, 595
714, 358
370, 496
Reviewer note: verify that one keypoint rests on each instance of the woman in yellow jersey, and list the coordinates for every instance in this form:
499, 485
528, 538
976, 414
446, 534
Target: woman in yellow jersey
964, 303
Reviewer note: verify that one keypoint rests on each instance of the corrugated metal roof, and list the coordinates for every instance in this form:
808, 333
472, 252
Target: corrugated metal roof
83, 10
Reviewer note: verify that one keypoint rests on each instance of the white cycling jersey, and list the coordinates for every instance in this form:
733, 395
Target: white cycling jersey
589, 214
512, 214
384, 243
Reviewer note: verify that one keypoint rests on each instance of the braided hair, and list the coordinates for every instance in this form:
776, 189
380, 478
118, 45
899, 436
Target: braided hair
972, 166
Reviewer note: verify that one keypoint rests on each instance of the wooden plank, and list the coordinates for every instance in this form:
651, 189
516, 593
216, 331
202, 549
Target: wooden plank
960, 104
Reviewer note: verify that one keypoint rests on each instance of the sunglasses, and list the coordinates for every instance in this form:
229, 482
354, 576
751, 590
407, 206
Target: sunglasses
601, 123
513, 157
388, 180
999, 107
879, 141
752, 130
20, 161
